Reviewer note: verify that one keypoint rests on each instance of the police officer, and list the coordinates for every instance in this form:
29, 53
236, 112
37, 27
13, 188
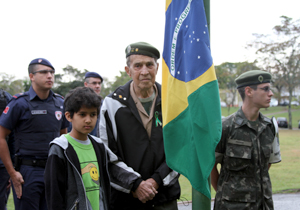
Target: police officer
36, 117
248, 146
4, 176
94, 81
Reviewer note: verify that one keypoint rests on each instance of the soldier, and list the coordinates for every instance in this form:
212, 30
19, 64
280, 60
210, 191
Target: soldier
36, 117
248, 146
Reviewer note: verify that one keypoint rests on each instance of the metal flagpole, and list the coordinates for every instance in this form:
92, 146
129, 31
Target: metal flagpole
200, 201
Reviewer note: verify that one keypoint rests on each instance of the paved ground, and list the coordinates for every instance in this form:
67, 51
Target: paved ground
281, 202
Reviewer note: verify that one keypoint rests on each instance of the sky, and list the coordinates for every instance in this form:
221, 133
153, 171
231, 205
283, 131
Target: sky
93, 34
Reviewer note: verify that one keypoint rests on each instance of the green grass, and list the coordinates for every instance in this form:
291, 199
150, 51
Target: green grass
277, 111
284, 175
10, 202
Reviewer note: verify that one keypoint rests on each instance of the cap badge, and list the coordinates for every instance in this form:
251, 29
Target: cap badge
128, 49
40, 60
260, 78
137, 49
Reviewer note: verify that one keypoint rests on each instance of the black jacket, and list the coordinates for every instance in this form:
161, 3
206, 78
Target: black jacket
63, 180
121, 128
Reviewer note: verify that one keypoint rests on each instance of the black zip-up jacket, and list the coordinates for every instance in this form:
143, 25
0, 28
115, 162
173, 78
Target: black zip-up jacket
63, 179
121, 128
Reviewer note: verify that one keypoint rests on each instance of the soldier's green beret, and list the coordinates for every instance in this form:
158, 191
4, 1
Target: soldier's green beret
253, 77
142, 48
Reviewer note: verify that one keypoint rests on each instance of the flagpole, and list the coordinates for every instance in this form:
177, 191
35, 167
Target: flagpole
200, 201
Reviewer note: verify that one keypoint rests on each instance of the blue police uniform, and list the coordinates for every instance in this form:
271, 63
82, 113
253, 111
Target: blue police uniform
4, 176
35, 122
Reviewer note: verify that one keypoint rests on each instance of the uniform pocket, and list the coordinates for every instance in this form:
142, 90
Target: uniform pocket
239, 189
239, 154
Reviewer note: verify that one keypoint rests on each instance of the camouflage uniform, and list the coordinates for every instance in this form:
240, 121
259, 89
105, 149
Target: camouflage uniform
244, 152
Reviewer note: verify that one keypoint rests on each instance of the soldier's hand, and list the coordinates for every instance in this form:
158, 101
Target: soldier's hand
145, 192
17, 180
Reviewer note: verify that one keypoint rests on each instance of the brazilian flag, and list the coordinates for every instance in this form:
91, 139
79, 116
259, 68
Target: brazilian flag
190, 94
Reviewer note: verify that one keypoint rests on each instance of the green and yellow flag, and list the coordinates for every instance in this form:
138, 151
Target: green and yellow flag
190, 94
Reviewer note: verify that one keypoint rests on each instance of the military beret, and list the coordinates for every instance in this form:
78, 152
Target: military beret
142, 48
94, 75
253, 77
42, 61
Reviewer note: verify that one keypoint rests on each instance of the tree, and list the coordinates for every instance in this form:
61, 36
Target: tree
26, 84
111, 86
280, 54
226, 75
70, 79
9, 84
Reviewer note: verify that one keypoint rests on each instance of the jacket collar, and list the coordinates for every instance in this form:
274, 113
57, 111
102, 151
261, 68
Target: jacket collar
240, 119
122, 94
32, 94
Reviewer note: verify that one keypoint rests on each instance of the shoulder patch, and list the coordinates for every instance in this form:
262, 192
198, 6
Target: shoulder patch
18, 95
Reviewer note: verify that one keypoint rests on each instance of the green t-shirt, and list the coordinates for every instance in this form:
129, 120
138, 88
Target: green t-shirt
89, 169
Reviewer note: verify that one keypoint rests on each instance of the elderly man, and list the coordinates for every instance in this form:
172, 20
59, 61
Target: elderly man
129, 127
248, 146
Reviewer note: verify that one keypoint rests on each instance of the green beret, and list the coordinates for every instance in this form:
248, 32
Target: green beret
253, 77
142, 48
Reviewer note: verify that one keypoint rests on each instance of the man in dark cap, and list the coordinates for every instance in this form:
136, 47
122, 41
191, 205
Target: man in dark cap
94, 81
130, 125
248, 146
36, 117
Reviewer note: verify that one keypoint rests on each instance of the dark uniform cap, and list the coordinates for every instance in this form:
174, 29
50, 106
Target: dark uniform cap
253, 77
94, 75
142, 48
42, 61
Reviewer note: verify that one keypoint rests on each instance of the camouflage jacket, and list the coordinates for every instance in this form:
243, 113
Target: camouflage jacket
244, 152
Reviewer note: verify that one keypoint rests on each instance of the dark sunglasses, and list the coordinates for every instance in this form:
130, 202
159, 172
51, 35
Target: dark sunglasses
266, 89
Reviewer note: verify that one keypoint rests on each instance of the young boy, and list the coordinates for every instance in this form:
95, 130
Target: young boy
76, 175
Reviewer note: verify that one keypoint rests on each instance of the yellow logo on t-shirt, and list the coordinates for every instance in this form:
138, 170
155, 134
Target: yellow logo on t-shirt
92, 169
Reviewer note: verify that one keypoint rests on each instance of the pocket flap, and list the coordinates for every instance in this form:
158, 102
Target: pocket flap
239, 149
